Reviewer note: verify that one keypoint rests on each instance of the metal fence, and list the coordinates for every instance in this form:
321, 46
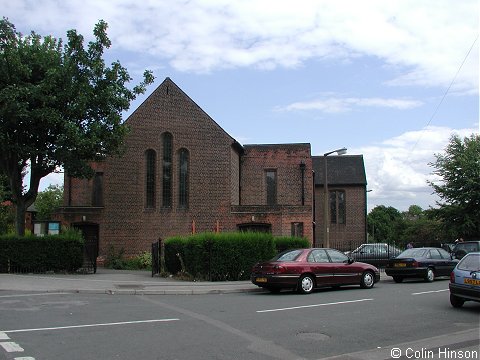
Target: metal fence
156, 246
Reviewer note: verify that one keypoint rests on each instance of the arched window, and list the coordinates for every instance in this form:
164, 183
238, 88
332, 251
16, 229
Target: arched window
150, 161
183, 166
167, 170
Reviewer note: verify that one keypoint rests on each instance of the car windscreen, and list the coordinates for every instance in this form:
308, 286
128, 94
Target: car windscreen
290, 255
412, 253
468, 247
470, 263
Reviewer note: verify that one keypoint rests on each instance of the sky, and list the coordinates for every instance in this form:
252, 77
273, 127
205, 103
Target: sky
389, 80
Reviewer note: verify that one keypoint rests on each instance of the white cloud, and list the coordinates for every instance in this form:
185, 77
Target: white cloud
425, 40
397, 169
338, 104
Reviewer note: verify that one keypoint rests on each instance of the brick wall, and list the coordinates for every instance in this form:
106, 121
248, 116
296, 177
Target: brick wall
354, 227
227, 182
286, 160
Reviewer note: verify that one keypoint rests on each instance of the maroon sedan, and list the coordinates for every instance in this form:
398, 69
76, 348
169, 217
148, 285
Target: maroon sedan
307, 269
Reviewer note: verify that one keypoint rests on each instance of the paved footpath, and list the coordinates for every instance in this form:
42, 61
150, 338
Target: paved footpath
121, 282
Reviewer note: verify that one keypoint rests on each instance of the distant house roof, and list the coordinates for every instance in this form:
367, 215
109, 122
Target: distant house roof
341, 170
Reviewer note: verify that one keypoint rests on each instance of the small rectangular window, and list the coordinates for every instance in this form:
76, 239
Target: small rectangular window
297, 229
271, 180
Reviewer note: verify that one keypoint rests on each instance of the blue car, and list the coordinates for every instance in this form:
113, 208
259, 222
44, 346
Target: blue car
465, 280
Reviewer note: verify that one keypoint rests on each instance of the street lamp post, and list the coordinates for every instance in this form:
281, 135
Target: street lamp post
326, 236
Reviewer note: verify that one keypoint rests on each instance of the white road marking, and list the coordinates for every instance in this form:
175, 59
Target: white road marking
429, 292
11, 346
90, 325
36, 294
315, 305
4, 336
24, 358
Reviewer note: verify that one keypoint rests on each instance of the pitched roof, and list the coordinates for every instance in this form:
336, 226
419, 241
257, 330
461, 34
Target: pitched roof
341, 170
168, 83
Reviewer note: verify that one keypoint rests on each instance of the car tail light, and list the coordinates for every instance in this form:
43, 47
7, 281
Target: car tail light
278, 269
452, 277
415, 264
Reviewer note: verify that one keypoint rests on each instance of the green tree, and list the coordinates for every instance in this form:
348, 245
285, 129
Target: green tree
7, 216
459, 187
48, 201
419, 228
60, 106
384, 224
414, 212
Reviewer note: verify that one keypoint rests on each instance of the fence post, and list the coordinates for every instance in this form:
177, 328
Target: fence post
155, 257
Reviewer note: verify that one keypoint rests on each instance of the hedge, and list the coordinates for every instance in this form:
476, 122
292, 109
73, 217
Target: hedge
223, 256
31, 253
284, 243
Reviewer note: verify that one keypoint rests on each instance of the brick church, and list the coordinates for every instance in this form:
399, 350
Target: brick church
182, 173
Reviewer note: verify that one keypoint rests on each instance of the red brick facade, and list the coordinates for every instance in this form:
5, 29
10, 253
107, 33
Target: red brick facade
226, 183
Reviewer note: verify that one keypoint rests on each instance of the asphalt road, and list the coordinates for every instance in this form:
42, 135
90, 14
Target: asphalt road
415, 317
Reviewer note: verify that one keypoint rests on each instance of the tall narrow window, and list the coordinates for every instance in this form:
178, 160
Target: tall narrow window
271, 180
167, 170
150, 160
183, 191
341, 207
337, 207
97, 195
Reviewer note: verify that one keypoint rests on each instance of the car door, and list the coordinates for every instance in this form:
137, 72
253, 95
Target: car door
321, 266
344, 272
447, 263
438, 262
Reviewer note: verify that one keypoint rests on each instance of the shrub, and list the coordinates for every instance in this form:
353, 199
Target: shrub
117, 261
30, 253
224, 256
283, 243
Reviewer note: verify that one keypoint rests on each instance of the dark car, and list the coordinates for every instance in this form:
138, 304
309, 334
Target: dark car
426, 263
307, 269
463, 248
376, 254
465, 280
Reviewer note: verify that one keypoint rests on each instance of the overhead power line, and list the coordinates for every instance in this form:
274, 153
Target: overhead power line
445, 94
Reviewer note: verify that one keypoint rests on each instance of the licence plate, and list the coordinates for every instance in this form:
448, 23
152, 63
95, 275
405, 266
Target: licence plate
261, 280
399, 265
471, 281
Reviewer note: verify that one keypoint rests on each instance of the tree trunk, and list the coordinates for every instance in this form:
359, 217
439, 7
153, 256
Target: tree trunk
20, 217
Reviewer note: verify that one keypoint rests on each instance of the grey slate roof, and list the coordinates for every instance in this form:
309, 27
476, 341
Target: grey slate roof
341, 170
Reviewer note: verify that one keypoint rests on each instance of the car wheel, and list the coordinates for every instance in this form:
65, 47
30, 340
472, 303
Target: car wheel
398, 279
368, 280
306, 284
456, 301
430, 276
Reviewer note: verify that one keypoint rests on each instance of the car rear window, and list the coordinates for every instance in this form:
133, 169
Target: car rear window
287, 256
470, 263
412, 253
468, 247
